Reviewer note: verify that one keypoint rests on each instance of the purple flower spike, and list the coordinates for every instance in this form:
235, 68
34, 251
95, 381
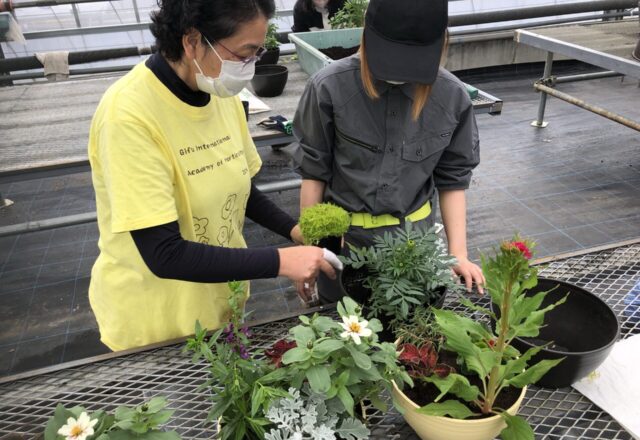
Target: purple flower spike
246, 331
244, 354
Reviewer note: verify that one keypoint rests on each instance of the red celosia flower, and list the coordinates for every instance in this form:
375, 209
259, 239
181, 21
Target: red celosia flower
278, 349
522, 247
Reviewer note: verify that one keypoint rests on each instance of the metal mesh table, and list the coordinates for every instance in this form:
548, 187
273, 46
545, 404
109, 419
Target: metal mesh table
27, 402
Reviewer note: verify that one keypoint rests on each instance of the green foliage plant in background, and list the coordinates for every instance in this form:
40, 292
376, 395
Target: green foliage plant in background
351, 15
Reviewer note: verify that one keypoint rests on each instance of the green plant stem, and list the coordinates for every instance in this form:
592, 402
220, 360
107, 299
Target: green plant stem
492, 388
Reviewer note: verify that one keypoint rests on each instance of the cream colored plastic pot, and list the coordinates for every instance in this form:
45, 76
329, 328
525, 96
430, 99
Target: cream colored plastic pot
445, 428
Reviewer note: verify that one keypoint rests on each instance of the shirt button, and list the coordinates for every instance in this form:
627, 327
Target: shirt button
384, 186
393, 113
419, 153
390, 148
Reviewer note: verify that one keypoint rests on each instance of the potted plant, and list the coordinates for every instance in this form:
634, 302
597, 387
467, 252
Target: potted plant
482, 399
402, 271
309, 415
342, 360
338, 363
141, 422
272, 45
332, 367
323, 225
243, 382
351, 15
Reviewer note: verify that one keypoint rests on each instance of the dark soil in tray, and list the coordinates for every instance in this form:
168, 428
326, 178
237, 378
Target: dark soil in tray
424, 393
337, 52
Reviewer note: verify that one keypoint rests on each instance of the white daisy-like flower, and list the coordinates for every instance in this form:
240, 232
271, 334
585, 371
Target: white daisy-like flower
297, 436
78, 429
354, 329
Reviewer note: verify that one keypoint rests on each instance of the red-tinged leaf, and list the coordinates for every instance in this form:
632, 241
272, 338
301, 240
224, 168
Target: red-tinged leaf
429, 356
443, 370
409, 354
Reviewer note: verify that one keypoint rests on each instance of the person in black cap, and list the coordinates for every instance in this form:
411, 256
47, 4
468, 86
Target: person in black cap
380, 132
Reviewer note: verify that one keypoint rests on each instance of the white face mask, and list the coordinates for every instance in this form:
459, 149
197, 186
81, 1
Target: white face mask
233, 77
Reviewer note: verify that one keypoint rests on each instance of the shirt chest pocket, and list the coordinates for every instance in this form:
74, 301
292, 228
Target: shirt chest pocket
430, 146
347, 139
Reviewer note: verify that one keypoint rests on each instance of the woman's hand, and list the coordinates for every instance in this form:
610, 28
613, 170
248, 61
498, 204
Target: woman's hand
471, 273
301, 264
296, 235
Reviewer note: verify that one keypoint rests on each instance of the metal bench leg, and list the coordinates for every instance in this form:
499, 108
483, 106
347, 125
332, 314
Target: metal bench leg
540, 123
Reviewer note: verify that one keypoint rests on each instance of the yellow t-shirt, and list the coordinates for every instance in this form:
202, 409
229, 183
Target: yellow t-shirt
154, 160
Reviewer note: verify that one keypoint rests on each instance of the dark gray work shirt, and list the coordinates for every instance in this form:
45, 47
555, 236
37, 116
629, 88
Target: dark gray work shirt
371, 154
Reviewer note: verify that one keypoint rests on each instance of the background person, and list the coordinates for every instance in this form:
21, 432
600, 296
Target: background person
314, 15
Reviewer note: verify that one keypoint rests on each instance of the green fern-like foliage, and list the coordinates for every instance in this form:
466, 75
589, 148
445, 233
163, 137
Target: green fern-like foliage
323, 220
406, 269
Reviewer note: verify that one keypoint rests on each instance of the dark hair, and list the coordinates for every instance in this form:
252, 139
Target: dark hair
217, 19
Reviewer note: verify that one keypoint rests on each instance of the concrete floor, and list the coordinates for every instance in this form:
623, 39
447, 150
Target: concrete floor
571, 186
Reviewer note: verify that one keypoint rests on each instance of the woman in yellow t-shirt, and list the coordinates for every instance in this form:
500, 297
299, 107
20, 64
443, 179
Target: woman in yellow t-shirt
172, 161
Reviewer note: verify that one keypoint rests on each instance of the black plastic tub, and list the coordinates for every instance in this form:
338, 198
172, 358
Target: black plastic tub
269, 80
271, 56
582, 330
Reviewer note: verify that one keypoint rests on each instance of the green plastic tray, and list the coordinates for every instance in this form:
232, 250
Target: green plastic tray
311, 59
307, 44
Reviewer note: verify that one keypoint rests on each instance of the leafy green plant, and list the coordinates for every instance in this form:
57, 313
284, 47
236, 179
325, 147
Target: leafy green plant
127, 423
323, 220
488, 353
243, 384
309, 416
271, 40
343, 361
406, 269
351, 15
421, 327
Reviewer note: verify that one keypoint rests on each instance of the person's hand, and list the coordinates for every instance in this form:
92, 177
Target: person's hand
471, 273
296, 235
301, 264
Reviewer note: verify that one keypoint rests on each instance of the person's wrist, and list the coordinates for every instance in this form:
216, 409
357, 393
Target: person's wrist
296, 235
460, 256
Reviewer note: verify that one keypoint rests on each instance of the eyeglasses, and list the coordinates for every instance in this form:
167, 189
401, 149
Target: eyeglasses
245, 60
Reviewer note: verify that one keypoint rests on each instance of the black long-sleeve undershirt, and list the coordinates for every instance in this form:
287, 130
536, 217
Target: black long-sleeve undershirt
169, 255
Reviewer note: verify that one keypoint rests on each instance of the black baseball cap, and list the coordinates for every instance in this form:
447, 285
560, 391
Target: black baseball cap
404, 39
